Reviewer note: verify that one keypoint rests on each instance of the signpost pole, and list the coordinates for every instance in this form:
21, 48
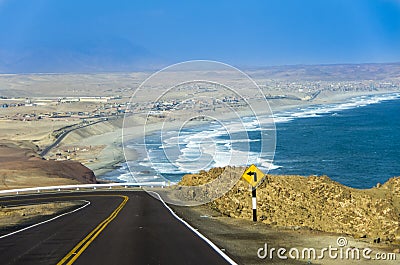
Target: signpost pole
253, 176
254, 199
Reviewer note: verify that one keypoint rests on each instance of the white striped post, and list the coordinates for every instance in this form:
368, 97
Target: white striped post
254, 199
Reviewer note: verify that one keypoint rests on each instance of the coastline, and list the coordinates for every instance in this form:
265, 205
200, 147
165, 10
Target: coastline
112, 156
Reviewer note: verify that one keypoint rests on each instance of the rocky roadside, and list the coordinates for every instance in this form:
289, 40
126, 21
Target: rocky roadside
315, 203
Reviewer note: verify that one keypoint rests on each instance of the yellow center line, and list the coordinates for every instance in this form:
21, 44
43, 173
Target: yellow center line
84, 243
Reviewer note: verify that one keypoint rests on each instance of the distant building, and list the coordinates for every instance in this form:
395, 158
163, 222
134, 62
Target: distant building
84, 99
94, 99
69, 100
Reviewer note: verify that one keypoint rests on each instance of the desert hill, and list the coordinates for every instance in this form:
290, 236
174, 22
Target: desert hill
21, 166
317, 203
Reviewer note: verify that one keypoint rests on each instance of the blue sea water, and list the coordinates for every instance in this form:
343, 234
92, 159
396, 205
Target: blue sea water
355, 143
358, 147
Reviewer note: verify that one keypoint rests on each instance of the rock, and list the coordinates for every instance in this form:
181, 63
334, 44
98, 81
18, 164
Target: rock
377, 240
191, 194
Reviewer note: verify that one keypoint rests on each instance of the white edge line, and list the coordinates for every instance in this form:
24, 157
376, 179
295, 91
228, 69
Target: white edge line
208, 241
46, 221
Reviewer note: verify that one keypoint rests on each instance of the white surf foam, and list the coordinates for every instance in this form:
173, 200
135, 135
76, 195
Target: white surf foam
320, 110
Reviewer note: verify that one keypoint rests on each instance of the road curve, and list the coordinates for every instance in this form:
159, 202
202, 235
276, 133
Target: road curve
63, 135
128, 227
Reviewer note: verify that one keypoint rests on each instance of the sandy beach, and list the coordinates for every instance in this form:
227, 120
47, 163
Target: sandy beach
109, 135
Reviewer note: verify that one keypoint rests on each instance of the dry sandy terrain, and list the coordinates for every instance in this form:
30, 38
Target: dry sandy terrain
18, 215
21, 167
100, 146
293, 211
241, 238
39, 85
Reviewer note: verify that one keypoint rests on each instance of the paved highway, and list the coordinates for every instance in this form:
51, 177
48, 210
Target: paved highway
63, 135
127, 227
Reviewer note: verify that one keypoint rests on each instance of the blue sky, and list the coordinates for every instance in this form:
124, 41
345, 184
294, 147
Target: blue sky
103, 35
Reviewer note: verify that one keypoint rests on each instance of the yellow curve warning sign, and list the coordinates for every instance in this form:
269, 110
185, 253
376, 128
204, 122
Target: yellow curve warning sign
253, 175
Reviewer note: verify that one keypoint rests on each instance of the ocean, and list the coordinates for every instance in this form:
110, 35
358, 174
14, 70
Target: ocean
356, 143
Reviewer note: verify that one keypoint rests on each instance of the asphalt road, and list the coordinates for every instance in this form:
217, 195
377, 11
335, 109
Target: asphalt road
116, 228
62, 136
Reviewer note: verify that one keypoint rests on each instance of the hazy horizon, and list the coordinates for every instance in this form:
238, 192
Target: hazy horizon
102, 36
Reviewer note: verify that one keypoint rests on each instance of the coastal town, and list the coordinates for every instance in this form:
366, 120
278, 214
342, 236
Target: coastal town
29, 109
94, 107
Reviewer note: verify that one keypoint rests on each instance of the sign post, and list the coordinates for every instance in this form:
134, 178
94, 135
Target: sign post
254, 196
253, 176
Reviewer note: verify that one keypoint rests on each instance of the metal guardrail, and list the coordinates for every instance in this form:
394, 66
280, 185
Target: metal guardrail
84, 186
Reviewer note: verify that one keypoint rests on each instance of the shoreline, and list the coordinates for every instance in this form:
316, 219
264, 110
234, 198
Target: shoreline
102, 168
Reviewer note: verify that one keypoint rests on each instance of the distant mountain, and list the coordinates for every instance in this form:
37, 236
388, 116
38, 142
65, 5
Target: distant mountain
107, 55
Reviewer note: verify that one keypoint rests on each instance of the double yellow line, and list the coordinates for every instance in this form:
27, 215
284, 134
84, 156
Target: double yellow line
81, 246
